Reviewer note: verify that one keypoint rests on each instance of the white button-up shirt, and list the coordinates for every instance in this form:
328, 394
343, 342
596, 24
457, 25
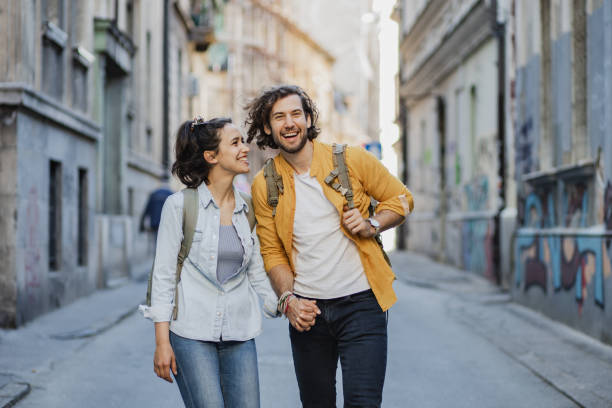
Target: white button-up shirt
208, 310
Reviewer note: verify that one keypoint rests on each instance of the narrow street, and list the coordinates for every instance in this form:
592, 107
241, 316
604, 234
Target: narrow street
454, 341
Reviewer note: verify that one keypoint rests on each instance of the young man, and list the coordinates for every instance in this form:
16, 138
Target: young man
322, 259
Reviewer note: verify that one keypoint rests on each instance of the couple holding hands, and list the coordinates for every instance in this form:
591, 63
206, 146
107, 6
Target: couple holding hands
312, 257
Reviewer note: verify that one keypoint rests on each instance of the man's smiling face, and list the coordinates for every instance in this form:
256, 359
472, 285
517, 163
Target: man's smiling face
289, 124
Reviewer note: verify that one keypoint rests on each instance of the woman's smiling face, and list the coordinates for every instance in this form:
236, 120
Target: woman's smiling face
232, 155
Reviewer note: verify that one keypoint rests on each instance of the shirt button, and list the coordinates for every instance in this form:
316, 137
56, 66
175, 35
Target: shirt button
218, 313
212, 257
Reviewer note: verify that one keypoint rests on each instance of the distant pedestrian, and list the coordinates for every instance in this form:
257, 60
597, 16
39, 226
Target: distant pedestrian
205, 325
320, 249
153, 209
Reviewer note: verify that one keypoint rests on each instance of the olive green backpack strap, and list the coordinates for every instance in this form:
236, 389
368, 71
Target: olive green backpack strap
274, 184
190, 219
340, 171
344, 187
251, 212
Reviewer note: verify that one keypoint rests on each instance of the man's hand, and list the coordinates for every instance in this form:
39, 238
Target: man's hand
302, 313
354, 222
163, 361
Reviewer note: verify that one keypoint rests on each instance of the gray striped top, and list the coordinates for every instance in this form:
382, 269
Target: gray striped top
230, 253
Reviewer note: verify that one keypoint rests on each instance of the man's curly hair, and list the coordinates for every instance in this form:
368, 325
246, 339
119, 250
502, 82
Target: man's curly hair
258, 115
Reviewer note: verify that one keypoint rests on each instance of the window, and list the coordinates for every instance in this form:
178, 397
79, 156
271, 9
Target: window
82, 203
80, 65
54, 43
55, 215
473, 125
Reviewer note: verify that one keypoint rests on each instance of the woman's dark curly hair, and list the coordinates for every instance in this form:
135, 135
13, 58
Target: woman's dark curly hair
192, 140
258, 115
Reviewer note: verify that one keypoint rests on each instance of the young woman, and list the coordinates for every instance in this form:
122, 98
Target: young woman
210, 347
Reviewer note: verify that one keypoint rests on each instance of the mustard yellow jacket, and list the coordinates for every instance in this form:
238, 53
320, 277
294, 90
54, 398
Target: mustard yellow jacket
368, 178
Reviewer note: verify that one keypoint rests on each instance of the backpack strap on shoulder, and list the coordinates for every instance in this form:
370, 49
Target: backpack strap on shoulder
190, 219
340, 171
274, 184
251, 212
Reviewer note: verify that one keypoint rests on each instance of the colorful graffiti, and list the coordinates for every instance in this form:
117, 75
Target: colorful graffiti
477, 247
477, 193
524, 148
570, 261
477, 234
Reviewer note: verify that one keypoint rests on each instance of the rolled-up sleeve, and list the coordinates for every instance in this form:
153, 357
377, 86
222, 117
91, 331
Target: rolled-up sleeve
169, 238
272, 249
378, 182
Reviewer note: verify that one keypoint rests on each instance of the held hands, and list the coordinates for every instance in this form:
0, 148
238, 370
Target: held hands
356, 224
163, 361
302, 313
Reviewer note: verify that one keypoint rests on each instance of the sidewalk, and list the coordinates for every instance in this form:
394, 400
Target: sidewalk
575, 364
37, 346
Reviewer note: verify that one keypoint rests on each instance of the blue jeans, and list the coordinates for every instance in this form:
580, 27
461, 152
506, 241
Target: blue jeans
353, 328
216, 375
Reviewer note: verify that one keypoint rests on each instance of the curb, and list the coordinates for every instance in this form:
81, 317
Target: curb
12, 393
95, 329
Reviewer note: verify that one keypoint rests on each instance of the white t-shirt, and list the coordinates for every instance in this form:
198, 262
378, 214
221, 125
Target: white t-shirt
327, 263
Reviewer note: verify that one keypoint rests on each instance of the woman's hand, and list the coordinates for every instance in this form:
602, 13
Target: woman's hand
163, 361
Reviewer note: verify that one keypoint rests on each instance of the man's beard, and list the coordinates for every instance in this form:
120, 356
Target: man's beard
295, 149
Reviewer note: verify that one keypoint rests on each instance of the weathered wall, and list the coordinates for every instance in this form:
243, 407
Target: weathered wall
563, 247
456, 225
424, 229
40, 290
8, 215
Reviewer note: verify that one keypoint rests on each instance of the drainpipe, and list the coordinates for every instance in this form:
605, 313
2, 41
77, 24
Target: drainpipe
500, 33
166, 91
403, 122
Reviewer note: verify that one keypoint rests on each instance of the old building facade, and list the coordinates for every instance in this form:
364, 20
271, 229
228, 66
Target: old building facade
562, 112
453, 132
90, 92
259, 43
91, 95
505, 107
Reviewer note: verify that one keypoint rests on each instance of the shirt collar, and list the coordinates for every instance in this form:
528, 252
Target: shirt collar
240, 203
206, 198
205, 195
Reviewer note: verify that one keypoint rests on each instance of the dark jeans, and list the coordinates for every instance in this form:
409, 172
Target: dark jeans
353, 328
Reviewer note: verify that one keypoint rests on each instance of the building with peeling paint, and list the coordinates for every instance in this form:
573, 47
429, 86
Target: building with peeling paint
562, 112
505, 109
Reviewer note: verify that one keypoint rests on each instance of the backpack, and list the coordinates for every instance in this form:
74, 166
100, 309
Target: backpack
190, 219
274, 186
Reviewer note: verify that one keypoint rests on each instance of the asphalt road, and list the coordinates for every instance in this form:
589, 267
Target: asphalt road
435, 359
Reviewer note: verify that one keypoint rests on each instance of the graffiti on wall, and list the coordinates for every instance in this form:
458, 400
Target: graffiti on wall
524, 147
477, 234
477, 193
570, 262
477, 246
